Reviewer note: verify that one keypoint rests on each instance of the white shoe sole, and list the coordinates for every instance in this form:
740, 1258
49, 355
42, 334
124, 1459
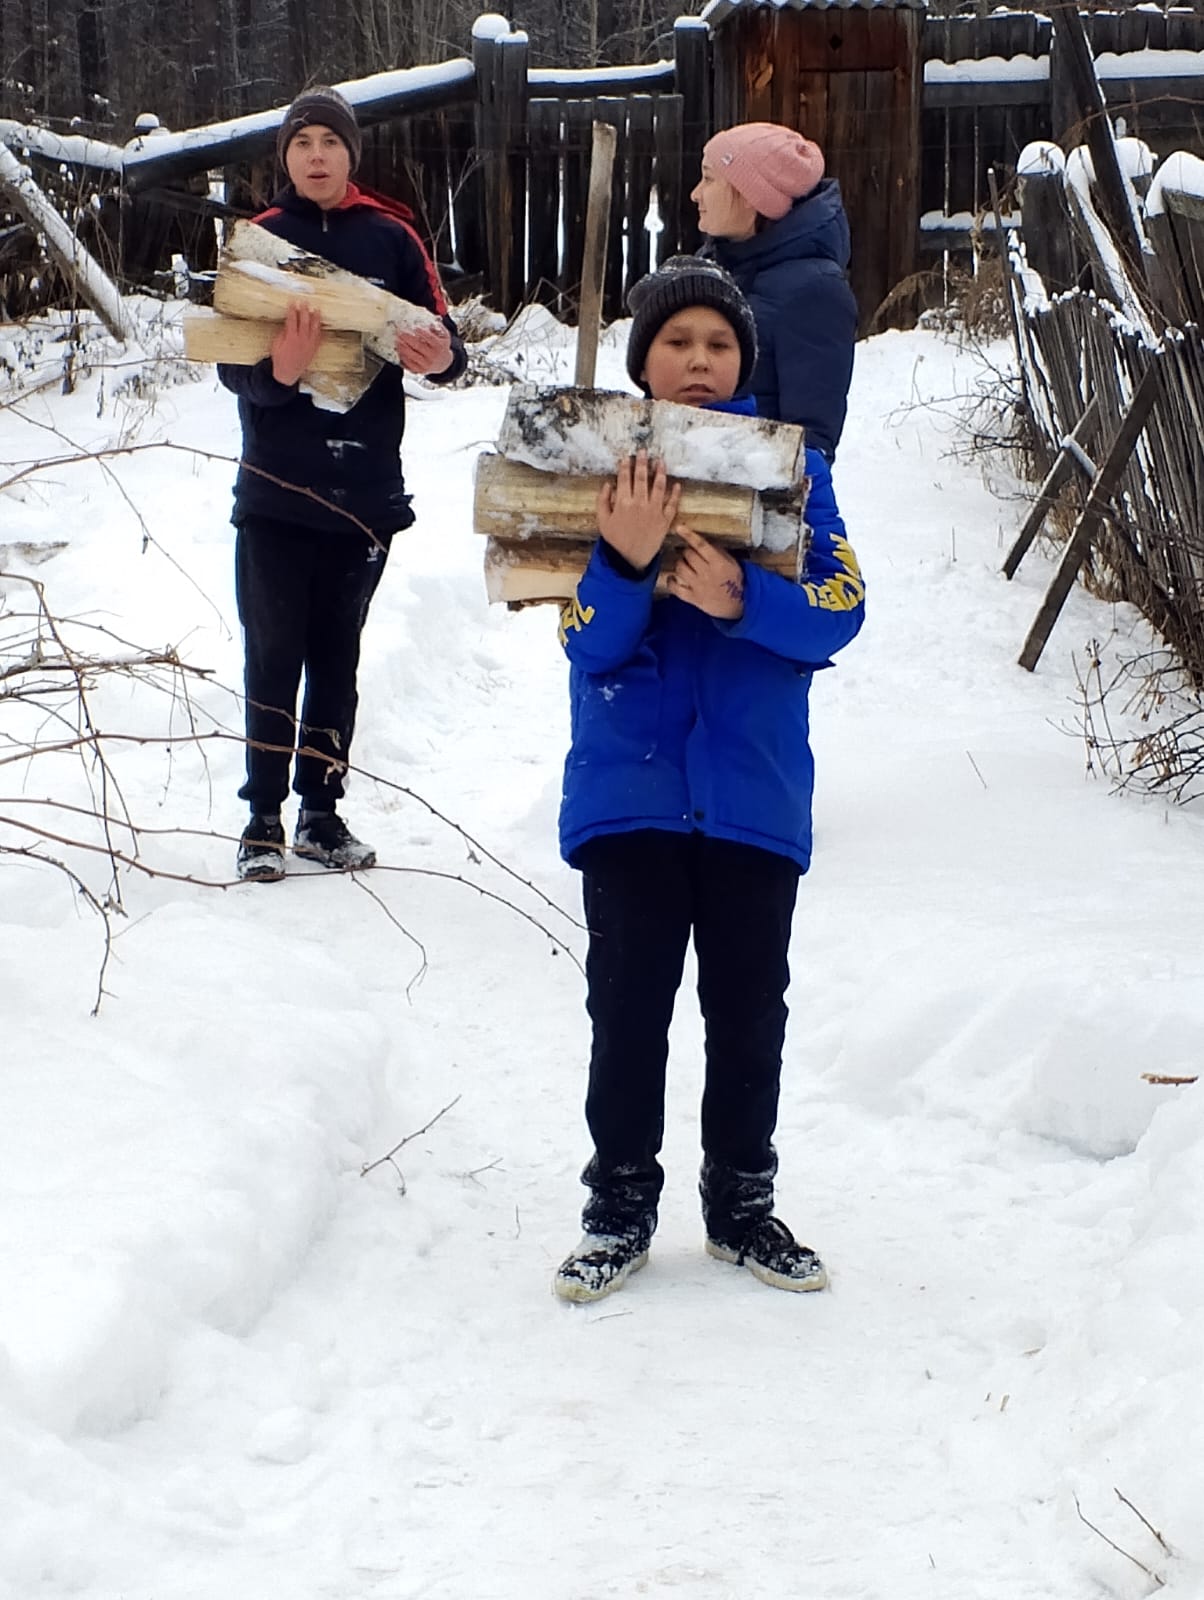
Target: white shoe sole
324, 858
581, 1293
262, 870
775, 1280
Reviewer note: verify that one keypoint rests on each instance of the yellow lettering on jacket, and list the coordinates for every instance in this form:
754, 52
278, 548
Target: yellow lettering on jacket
844, 590
574, 616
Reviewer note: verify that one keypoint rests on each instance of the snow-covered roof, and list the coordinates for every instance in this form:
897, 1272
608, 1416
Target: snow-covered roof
717, 11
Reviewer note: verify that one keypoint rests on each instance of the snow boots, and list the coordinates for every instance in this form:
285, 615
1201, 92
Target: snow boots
600, 1264
325, 838
261, 851
772, 1253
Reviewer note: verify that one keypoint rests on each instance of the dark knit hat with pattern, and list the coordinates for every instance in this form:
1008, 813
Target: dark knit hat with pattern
678, 283
327, 108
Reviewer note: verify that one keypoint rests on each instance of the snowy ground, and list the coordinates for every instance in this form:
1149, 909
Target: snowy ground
230, 1365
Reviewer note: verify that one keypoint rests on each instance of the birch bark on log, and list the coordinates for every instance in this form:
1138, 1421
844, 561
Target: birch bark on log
517, 503
590, 431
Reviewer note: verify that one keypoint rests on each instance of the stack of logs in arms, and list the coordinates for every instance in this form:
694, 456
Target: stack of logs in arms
535, 498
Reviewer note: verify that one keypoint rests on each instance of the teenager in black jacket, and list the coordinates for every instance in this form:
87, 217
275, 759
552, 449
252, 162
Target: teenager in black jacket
320, 493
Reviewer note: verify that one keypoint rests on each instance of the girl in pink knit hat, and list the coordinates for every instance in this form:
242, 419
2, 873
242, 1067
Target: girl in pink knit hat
779, 227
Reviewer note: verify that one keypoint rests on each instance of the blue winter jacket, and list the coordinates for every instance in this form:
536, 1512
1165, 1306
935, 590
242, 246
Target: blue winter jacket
683, 722
352, 459
793, 275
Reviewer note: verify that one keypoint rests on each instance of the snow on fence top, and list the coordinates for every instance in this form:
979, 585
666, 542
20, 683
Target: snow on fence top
989, 69
1180, 173
380, 95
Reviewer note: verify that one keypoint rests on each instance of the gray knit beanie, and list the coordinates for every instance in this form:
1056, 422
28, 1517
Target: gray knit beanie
680, 282
328, 109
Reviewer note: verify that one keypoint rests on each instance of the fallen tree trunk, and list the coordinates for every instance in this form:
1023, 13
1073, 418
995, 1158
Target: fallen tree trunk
242, 341
92, 284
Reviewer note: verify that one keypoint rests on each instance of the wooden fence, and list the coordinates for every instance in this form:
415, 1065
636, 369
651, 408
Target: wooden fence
1117, 354
994, 84
493, 154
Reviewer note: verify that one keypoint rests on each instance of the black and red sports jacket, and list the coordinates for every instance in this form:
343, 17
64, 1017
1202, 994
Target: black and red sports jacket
351, 460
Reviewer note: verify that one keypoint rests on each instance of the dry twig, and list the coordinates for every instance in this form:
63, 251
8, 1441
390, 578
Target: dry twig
370, 1166
1153, 1576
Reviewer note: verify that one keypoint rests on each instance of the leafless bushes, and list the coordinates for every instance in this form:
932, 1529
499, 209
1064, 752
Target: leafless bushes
89, 721
1143, 722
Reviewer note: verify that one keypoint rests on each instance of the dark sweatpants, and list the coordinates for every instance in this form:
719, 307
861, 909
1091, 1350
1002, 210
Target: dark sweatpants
644, 892
303, 596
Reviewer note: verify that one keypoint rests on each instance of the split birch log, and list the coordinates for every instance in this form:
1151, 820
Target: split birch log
546, 571
259, 276
242, 341
517, 503
581, 432
95, 287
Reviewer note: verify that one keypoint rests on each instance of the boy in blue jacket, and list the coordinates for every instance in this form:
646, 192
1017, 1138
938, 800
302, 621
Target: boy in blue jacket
687, 808
320, 493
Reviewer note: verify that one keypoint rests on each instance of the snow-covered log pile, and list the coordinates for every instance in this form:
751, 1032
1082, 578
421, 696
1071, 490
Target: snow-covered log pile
743, 485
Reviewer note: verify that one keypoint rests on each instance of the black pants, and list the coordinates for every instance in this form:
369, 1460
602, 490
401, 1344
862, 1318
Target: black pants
644, 893
303, 596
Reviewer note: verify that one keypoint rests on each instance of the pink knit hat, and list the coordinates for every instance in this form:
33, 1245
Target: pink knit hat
769, 165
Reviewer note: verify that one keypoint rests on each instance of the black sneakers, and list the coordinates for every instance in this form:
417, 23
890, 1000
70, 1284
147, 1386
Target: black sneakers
261, 851
325, 838
771, 1252
600, 1264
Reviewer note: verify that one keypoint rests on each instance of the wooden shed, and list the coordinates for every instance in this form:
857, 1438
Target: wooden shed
850, 76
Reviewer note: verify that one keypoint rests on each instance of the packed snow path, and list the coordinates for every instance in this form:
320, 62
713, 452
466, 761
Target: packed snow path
230, 1365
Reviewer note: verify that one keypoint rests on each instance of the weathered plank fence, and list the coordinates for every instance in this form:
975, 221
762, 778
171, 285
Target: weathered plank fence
1114, 378
994, 84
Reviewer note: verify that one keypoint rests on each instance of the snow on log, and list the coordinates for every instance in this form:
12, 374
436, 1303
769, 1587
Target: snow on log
93, 285
516, 503
582, 432
242, 341
259, 276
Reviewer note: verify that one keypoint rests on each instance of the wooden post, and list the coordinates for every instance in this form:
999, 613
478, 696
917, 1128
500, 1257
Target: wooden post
488, 143
578, 141
609, 108
1089, 519
513, 62
1113, 189
640, 152
593, 268
500, 59
692, 80
1045, 228
543, 204
1068, 455
668, 177
1014, 295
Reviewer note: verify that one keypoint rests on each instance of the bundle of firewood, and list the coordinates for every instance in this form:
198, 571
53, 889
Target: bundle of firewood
743, 485
259, 276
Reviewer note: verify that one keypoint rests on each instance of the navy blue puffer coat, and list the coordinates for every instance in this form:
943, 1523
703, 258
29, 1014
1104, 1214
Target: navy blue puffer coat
793, 275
